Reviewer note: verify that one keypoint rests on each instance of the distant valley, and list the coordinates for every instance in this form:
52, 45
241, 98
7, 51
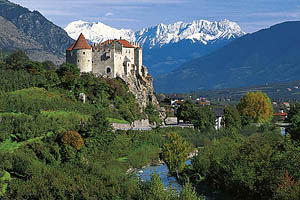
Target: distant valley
267, 56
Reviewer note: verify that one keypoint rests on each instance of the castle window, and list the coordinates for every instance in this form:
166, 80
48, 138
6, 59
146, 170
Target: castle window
78, 60
108, 70
83, 53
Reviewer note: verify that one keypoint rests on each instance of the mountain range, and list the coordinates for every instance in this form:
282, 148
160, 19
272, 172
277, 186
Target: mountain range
267, 56
165, 47
31, 32
181, 56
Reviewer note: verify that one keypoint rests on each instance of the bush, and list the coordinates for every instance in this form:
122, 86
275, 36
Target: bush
73, 139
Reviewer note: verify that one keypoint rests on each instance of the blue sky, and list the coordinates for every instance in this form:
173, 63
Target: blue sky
251, 15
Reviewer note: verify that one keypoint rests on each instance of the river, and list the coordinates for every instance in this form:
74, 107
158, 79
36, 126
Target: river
162, 170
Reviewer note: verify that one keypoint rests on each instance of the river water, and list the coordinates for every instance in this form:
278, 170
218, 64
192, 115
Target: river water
162, 170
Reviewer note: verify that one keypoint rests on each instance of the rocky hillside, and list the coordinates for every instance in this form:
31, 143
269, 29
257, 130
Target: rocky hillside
165, 47
267, 56
43, 39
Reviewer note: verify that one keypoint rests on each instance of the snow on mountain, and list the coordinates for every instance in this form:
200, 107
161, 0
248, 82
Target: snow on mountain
202, 30
97, 32
197, 31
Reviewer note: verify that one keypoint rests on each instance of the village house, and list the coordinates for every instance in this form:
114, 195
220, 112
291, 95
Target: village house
219, 114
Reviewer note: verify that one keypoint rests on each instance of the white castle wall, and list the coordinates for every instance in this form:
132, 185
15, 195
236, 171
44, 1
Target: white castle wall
82, 58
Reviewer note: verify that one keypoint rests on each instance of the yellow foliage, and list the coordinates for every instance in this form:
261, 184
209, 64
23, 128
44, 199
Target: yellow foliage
73, 139
256, 106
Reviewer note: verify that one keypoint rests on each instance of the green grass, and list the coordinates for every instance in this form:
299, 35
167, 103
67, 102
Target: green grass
10, 146
120, 121
122, 159
11, 114
64, 114
3, 183
33, 100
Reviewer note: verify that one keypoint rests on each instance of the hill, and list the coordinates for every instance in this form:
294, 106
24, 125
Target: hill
267, 56
31, 32
51, 140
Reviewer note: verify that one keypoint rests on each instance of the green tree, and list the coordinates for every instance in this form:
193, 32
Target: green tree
204, 118
17, 60
255, 107
189, 193
49, 65
153, 114
186, 111
294, 119
34, 67
69, 75
155, 189
96, 126
232, 118
175, 153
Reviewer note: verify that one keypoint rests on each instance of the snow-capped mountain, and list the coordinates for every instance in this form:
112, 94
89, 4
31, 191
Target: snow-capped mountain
197, 31
97, 32
165, 47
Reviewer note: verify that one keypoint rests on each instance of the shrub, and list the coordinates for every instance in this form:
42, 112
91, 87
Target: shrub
74, 139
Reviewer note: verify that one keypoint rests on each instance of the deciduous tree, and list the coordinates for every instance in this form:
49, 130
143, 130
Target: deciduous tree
186, 111
255, 107
294, 119
232, 118
175, 153
204, 118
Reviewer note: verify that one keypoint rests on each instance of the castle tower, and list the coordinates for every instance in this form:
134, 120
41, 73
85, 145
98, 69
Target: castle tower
80, 54
138, 59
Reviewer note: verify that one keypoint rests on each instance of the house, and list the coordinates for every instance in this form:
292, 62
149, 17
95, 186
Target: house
281, 114
219, 113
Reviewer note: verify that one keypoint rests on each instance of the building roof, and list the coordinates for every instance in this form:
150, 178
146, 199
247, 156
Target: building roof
124, 43
281, 114
218, 112
81, 43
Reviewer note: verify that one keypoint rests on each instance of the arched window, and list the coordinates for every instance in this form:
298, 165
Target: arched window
108, 70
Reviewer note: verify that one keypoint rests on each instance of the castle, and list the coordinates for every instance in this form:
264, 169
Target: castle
110, 59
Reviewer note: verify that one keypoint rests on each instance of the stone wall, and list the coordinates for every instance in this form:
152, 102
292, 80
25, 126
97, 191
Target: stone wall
101, 61
119, 126
144, 123
171, 120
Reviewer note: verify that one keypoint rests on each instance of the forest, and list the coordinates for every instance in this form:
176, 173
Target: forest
54, 146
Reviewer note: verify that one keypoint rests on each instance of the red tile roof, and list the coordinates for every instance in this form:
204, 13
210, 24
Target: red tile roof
281, 114
106, 42
81, 43
124, 43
